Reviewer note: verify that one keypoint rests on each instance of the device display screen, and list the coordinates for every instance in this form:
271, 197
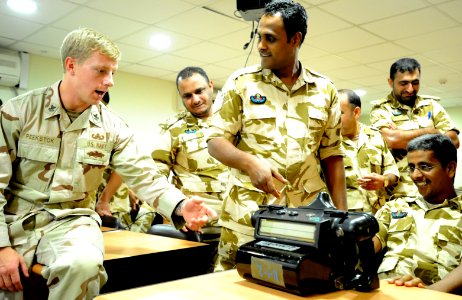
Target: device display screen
288, 230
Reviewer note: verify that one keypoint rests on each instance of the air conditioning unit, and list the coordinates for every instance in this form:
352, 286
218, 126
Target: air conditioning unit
10, 67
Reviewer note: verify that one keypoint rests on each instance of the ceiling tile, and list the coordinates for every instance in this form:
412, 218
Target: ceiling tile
99, 20
376, 53
433, 40
144, 70
345, 40
146, 11
239, 62
202, 52
321, 22
211, 25
425, 21
452, 8
48, 36
16, 28
47, 11
36, 49
141, 38
171, 62
236, 40
136, 54
361, 11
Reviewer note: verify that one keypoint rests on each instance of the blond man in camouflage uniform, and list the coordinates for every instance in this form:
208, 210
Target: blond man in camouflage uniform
423, 234
369, 164
404, 115
115, 199
276, 124
182, 149
54, 146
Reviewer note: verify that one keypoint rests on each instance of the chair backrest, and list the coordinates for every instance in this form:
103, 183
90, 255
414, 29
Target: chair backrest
170, 231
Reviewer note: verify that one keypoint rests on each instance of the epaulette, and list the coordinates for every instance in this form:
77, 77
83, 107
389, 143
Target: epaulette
430, 97
317, 74
246, 70
172, 120
378, 102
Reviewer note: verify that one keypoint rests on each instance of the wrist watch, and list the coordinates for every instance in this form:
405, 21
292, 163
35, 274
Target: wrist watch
386, 181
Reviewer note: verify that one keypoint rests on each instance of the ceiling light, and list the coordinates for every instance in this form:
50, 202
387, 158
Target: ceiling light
160, 41
22, 6
360, 93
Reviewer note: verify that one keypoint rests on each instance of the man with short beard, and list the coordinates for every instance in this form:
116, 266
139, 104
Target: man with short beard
404, 115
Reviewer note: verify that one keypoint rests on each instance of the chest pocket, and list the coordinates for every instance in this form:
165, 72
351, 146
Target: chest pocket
317, 120
47, 154
403, 122
449, 241
38, 163
194, 155
193, 142
92, 158
260, 122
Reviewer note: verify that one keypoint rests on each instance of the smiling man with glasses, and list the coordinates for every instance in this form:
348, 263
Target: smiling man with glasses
422, 236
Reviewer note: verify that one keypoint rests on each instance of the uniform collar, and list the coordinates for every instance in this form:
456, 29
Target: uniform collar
303, 78
396, 104
454, 203
54, 107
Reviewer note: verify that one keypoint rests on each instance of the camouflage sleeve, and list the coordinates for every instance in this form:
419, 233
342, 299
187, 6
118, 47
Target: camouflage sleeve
140, 173
442, 120
389, 163
226, 119
380, 117
10, 125
331, 142
163, 155
383, 217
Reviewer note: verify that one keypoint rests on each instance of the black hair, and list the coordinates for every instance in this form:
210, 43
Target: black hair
442, 146
404, 65
353, 98
190, 71
293, 15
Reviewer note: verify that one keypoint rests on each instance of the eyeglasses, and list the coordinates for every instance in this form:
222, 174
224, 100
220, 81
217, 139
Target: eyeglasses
423, 168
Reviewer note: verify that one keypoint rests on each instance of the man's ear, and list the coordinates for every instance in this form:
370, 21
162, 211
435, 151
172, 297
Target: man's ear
390, 82
451, 169
296, 39
70, 64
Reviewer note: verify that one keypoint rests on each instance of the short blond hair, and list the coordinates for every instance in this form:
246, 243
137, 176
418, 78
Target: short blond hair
83, 42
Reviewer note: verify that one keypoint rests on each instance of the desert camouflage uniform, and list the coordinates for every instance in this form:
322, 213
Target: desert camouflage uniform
182, 150
120, 207
50, 170
422, 241
369, 155
427, 112
291, 129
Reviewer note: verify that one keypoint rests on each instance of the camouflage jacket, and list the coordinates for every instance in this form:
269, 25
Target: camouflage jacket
47, 162
182, 150
369, 155
427, 112
423, 241
291, 129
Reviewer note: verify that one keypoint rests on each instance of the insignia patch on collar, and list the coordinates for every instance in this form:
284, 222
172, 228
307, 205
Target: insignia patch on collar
398, 214
258, 99
190, 131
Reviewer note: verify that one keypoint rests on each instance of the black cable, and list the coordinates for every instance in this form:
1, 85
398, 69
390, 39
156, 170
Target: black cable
253, 33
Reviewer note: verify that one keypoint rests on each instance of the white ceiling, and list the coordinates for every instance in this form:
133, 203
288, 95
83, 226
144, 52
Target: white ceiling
353, 42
